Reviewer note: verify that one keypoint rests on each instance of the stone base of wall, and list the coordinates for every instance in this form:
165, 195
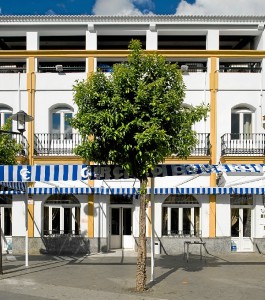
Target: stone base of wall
259, 245
59, 245
75, 245
175, 246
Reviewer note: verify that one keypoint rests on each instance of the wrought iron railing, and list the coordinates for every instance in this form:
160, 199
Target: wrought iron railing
61, 68
240, 67
64, 144
56, 143
12, 68
20, 139
243, 144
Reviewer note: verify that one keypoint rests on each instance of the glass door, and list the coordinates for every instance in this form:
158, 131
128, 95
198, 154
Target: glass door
127, 238
121, 228
241, 229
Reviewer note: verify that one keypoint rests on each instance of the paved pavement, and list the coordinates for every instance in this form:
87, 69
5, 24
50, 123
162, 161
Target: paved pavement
112, 276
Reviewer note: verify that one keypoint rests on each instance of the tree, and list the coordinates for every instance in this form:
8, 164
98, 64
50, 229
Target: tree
136, 119
9, 148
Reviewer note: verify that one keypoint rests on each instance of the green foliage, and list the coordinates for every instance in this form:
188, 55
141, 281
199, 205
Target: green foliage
8, 146
136, 117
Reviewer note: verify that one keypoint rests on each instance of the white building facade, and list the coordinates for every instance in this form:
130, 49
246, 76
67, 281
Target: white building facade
222, 59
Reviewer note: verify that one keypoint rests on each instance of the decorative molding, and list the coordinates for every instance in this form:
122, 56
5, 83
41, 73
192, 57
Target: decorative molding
127, 19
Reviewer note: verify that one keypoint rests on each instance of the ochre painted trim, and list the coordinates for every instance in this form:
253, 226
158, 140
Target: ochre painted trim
90, 224
31, 87
42, 160
91, 65
31, 219
212, 208
189, 160
213, 142
243, 159
124, 53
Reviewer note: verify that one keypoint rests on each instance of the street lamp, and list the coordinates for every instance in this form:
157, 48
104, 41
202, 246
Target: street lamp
21, 118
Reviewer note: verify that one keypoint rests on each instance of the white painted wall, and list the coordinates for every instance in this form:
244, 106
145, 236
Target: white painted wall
223, 213
18, 216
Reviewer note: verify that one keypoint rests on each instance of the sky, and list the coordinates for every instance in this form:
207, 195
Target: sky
132, 7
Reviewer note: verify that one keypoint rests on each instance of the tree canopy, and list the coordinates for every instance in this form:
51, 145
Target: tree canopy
136, 116
135, 119
9, 148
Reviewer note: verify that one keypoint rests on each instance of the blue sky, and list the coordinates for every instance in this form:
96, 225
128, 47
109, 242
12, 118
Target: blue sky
132, 7
68, 7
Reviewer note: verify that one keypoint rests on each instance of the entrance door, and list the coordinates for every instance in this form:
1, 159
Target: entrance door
241, 229
121, 228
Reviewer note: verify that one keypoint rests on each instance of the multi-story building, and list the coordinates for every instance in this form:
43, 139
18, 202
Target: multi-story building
222, 59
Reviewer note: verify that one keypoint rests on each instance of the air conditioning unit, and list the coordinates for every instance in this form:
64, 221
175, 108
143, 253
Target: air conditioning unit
59, 68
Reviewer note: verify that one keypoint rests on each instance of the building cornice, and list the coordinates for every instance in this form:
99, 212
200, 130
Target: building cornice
129, 19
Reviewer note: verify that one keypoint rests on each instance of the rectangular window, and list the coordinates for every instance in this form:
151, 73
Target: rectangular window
235, 127
67, 220
174, 221
46, 220
67, 125
8, 221
247, 124
56, 220
56, 123
186, 221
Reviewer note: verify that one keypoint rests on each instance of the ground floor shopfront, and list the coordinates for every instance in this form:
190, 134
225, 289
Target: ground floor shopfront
80, 223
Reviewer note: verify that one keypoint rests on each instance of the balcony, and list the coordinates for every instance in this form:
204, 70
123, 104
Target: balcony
244, 144
51, 144
19, 139
46, 144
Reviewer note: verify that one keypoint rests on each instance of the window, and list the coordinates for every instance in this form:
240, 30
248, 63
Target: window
241, 123
62, 215
6, 214
181, 216
60, 122
5, 113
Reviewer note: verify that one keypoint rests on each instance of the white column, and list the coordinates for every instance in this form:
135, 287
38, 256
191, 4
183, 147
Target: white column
169, 220
37, 218
212, 40
151, 38
180, 220
91, 42
83, 217
158, 216
18, 216
32, 41
91, 38
260, 39
212, 43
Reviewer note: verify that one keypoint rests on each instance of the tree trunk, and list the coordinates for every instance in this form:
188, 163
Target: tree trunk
141, 258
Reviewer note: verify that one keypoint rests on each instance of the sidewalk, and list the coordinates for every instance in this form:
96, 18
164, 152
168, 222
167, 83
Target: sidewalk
112, 276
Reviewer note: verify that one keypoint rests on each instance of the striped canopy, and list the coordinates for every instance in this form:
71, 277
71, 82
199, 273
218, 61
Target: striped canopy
133, 191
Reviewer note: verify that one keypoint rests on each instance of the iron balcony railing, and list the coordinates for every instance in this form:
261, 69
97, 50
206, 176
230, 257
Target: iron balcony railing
56, 143
64, 144
240, 67
20, 139
203, 145
243, 144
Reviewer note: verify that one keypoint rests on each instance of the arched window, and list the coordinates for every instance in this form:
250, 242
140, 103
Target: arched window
241, 121
5, 113
181, 216
61, 215
60, 117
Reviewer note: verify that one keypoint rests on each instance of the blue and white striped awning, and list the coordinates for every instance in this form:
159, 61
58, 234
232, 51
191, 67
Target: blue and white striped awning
25, 173
133, 191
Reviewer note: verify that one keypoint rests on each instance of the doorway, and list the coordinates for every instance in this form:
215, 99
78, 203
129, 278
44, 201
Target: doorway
121, 228
241, 231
